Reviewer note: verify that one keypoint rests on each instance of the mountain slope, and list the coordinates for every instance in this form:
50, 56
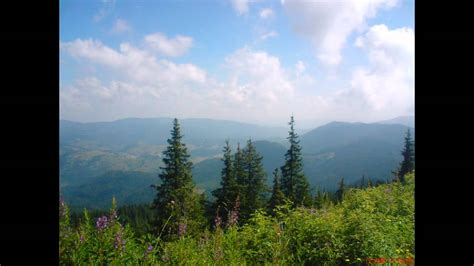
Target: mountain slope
122, 134
408, 121
88, 168
127, 187
337, 134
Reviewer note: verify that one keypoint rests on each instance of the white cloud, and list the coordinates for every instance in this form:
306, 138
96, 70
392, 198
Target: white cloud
300, 67
176, 46
136, 64
105, 10
121, 26
329, 23
241, 6
267, 35
266, 13
257, 77
256, 88
386, 86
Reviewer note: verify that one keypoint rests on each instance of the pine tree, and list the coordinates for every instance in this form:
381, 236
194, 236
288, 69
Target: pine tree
177, 203
340, 191
227, 193
277, 198
295, 185
252, 183
408, 163
239, 173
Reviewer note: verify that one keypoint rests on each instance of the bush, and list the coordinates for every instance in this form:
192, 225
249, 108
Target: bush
375, 222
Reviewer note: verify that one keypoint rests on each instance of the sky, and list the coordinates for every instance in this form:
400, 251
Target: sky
257, 61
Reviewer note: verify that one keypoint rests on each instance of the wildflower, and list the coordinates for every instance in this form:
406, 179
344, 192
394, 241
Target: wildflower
113, 215
217, 220
181, 229
62, 207
234, 214
148, 250
118, 240
81, 238
101, 223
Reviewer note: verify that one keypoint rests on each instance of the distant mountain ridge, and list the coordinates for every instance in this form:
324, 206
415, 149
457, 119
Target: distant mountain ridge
131, 131
95, 156
401, 120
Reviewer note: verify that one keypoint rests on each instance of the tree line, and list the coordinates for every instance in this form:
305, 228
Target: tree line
179, 208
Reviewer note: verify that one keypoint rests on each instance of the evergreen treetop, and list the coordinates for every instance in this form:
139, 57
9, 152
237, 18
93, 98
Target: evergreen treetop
408, 163
294, 183
277, 198
176, 200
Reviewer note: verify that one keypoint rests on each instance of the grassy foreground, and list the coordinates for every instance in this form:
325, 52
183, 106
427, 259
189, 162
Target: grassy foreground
368, 225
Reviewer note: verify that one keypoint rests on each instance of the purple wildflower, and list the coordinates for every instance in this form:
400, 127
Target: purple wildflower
182, 229
81, 238
218, 219
101, 223
118, 240
234, 214
148, 250
62, 207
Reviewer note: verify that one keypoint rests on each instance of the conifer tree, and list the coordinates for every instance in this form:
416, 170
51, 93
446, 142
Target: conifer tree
340, 191
294, 183
177, 203
239, 173
252, 183
408, 163
277, 198
227, 193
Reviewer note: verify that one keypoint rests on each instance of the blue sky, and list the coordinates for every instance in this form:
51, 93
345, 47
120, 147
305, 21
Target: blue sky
252, 61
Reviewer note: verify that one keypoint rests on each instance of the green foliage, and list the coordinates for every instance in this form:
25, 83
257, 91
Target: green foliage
179, 208
295, 185
277, 198
127, 154
340, 191
408, 153
229, 190
375, 222
252, 183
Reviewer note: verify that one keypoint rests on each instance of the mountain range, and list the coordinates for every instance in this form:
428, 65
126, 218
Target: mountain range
122, 158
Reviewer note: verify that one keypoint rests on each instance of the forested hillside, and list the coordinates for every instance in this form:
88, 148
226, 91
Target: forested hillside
247, 220
91, 152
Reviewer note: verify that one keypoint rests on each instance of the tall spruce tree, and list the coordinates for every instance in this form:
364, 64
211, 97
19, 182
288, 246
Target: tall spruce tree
294, 183
239, 173
252, 183
277, 198
177, 203
227, 193
408, 153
